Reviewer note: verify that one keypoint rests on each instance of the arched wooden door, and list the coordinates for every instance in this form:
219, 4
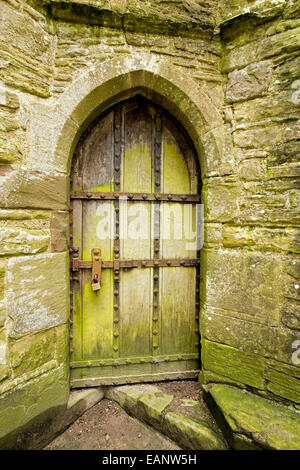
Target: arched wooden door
134, 194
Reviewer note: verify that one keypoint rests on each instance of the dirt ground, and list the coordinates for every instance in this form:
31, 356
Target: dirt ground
106, 426
182, 389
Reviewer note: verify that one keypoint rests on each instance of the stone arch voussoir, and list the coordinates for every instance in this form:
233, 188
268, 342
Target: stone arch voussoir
121, 78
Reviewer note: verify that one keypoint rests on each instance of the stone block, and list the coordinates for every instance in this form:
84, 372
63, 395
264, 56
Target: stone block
191, 434
3, 354
2, 278
128, 395
283, 43
207, 377
268, 424
259, 138
222, 327
220, 198
281, 105
236, 237
233, 363
263, 10
260, 238
45, 152
59, 227
291, 315
20, 187
27, 55
152, 405
4, 371
8, 98
8, 121
26, 35
239, 58
284, 171
281, 346
10, 149
212, 235
218, 148
283, 380
145, 40
253, 170
285, 152
28, 412
287, 72
243, 281
248, 83
62, 344
3, 313
32, 351
38, 292
17, 241
197, 46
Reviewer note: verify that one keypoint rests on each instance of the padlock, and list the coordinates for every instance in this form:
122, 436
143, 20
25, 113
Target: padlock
96, 286
95, 283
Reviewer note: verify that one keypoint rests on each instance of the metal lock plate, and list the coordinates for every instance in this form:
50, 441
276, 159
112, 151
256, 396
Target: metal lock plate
96, 269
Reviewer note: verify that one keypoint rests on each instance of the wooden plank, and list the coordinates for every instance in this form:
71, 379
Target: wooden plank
178, 231
136, 236
137, 175
97, 317
135, 308
96, 154
175, 174
136, 227
97, 306
76, 306
179, 166
98, 229
178, 310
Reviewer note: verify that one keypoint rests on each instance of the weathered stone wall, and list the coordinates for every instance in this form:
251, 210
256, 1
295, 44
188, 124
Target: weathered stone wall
33, 237
238, 62
250, 286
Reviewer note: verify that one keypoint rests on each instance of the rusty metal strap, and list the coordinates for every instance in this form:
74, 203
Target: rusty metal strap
130, 264
135, 360
188, 198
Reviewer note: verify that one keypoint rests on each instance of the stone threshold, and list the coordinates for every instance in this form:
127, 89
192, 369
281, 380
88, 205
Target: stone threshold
237, 419
185, 421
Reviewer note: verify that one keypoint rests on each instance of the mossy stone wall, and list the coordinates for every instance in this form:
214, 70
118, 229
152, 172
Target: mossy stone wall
229, 71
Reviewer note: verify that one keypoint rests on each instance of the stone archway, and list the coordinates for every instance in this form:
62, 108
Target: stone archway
56, 129
121, 78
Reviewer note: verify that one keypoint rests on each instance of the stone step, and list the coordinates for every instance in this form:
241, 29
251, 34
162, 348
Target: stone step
186, 421
253, 422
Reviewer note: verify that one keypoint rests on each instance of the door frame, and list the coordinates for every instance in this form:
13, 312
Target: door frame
74, 251
56, 126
